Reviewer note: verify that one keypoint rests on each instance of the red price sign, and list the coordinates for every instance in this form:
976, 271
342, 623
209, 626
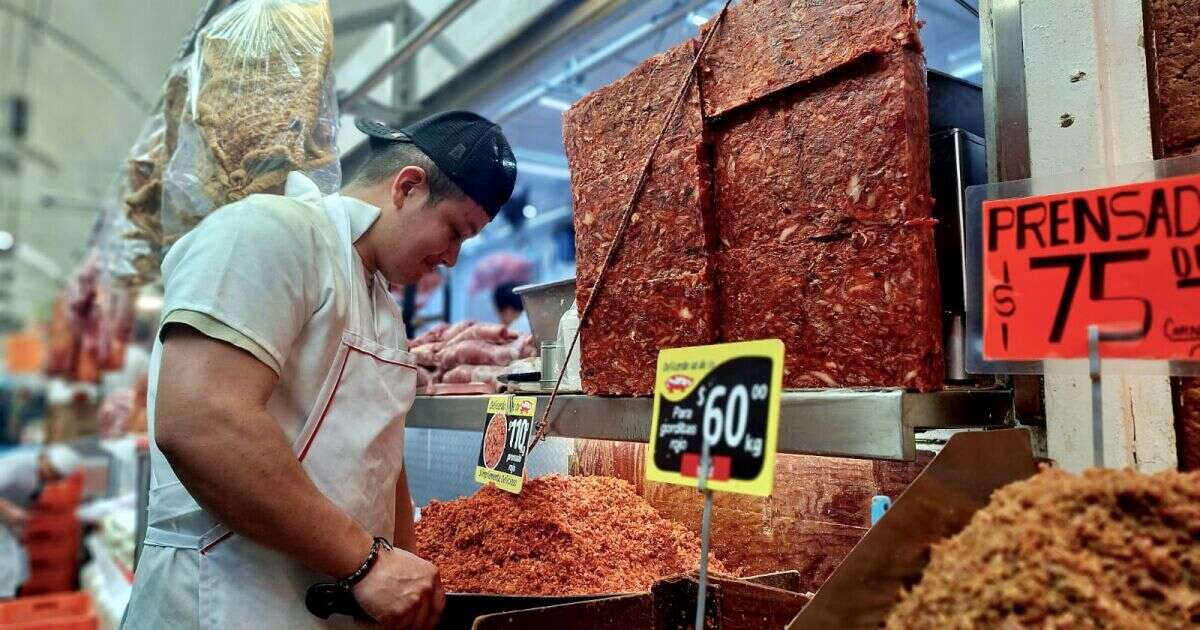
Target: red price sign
1126, 258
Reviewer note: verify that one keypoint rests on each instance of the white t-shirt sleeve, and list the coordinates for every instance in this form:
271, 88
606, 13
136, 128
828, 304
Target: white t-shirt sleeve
251, 266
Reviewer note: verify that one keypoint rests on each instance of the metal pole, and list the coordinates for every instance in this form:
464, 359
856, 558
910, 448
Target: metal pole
705, 528
414, 42
1093, 336
613, 48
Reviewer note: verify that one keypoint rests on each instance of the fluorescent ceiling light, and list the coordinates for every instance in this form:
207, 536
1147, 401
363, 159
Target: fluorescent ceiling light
554, 103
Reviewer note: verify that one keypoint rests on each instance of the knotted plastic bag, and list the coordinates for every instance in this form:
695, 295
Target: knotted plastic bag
260, 104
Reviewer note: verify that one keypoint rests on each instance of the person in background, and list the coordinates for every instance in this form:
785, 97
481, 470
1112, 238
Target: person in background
509, 309
23, 474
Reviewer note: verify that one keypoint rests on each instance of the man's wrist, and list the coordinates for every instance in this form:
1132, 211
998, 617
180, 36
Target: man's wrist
352, 553
378, 546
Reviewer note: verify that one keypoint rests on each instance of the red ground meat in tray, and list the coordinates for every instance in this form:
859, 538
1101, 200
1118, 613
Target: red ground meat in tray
560, 536
764, 46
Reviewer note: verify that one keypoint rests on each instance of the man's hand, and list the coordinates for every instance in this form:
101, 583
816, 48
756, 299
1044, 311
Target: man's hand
401, 591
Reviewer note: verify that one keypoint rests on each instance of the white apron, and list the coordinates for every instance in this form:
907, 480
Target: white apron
352, 446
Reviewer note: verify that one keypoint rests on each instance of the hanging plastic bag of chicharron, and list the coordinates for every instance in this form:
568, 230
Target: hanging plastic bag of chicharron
260, 105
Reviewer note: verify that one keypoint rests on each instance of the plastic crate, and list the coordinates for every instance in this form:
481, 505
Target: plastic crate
62, 496
51, 528
49, 581
52, 557
67, 611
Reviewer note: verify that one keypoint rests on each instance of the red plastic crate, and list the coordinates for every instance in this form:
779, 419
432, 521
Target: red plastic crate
43, 557
49, 581
61, 496
67, 611
51, 528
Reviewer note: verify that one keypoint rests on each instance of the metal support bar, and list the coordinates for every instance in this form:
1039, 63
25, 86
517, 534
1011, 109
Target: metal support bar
1004, 103
414, 42
374, 17
612, 49
876, 424
1093, 337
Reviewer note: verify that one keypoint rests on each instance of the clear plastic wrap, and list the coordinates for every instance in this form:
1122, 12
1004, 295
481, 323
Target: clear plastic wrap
260, 104
141, 197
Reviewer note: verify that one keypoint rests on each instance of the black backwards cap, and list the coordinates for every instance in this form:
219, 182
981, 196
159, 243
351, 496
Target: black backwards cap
470, 149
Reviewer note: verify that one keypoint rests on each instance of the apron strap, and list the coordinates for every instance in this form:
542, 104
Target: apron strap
163, 538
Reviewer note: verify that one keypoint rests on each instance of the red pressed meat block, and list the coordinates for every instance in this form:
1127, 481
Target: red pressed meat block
858, 310
611, 130
850, 149
669, 231
632, 321
764, 46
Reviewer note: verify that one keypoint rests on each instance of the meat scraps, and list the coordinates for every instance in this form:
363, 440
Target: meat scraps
1106, 549
560, 536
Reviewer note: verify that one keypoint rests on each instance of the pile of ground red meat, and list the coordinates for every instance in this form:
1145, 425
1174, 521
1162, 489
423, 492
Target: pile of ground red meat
561, 536
1107, 549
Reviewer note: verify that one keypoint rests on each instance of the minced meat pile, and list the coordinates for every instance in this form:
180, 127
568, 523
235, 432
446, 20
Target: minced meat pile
1106, 549
561, 536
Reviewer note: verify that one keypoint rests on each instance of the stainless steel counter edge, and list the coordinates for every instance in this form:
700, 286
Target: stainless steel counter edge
877, 424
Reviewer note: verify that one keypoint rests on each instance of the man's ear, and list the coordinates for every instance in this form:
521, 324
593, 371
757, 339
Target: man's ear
408, 179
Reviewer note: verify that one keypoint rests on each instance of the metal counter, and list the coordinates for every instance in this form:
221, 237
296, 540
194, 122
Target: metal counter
875, 424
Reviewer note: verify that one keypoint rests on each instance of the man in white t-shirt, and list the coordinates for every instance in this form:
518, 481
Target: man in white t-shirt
279, 384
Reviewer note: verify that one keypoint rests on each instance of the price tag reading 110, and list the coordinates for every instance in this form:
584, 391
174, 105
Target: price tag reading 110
1126, 258
727, 395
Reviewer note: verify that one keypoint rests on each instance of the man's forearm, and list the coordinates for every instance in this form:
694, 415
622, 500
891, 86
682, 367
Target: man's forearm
244, 472
406, 535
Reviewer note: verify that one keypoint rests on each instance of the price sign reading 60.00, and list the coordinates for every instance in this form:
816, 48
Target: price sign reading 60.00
1126, 258
727, 395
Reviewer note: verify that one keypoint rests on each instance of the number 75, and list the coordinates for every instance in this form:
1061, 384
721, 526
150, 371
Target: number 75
1098, 264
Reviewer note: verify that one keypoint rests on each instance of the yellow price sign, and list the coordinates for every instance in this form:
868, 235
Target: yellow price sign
727, 394
505, 444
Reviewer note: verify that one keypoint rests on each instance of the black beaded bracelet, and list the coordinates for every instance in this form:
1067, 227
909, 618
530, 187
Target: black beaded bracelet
372, 557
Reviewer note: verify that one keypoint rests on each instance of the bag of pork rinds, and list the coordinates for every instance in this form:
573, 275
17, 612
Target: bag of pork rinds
260, 104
